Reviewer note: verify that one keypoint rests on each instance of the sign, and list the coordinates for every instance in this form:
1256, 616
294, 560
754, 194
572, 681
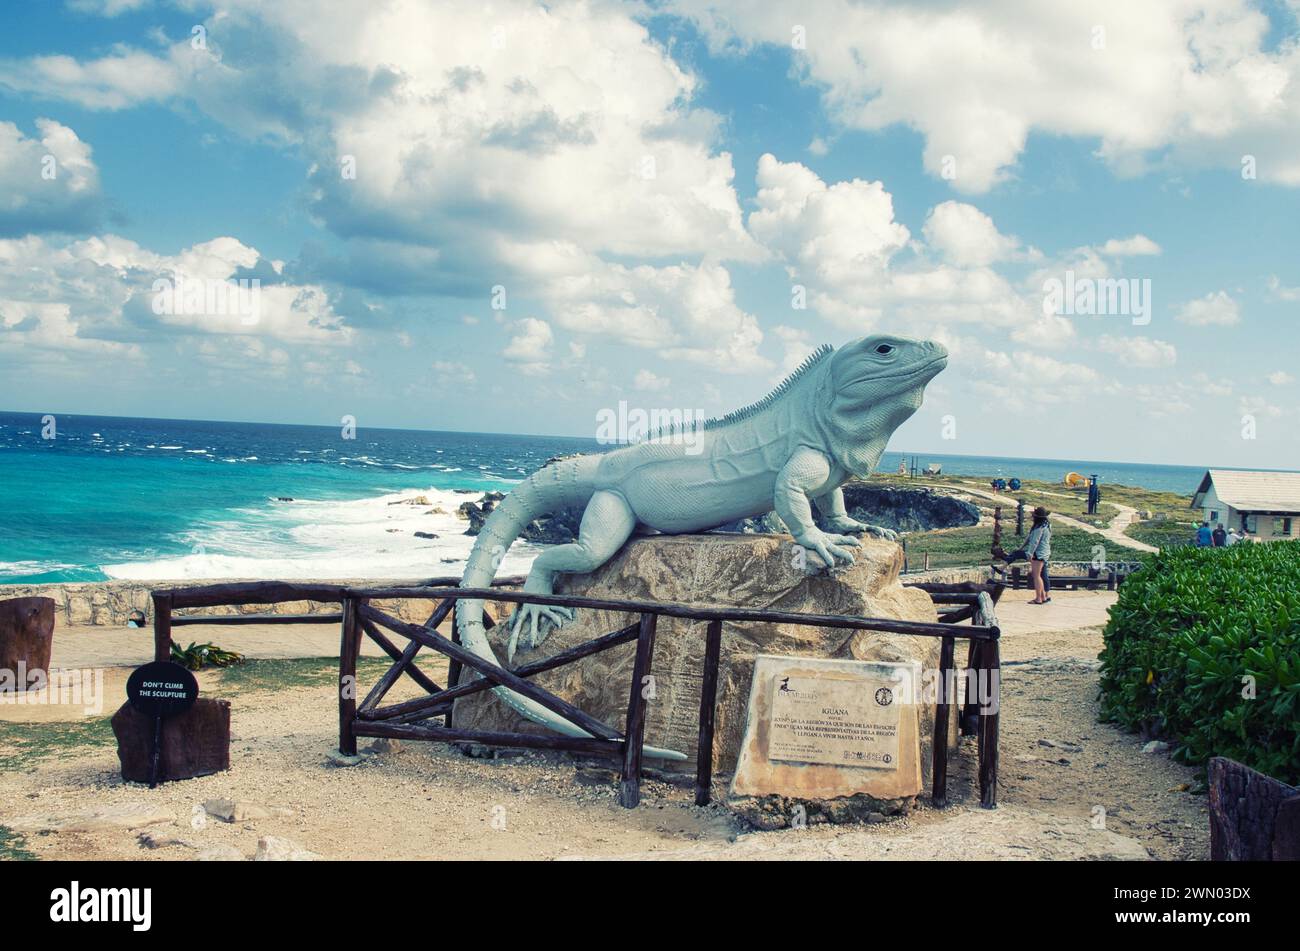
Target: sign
821, 729
160, 689
836, 720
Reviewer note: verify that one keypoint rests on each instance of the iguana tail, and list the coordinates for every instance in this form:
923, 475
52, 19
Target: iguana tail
566, 483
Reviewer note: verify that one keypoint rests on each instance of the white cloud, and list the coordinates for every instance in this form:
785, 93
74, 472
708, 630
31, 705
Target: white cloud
1216, 309
119, 80
102, 294
530, 346
1280, 378
48, 183
1137, 245
966, 236
1278, 291
649, 382
1201, 79
1140, 352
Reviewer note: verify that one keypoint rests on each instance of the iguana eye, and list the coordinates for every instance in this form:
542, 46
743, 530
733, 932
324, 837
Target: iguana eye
884, 349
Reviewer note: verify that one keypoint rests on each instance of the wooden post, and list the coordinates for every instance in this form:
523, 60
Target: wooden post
453, 665
708, 710
349, 648
629, 791
927, 561
991, 666
162, 627
939, 785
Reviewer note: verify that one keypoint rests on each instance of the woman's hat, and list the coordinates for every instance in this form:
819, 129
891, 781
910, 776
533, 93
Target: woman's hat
1040, 512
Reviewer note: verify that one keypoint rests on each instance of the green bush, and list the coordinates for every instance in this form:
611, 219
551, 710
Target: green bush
1186, 632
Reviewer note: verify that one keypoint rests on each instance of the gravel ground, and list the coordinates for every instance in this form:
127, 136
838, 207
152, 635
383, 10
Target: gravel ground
1061, 770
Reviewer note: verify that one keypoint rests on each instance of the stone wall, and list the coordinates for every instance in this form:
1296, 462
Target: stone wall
110, 603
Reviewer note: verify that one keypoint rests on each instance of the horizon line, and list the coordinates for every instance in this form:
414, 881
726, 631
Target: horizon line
480, 432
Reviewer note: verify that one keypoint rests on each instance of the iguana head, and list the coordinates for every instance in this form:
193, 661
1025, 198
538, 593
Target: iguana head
877, 382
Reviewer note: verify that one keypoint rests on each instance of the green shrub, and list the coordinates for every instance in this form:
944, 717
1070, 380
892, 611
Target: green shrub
1187, 631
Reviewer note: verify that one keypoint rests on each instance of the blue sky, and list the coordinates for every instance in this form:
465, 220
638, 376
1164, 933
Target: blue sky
644, 185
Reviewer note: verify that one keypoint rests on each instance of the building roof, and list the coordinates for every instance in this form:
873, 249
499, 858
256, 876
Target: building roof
1252, 491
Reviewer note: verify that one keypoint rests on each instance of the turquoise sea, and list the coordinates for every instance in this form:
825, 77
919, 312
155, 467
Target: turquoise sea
171, 499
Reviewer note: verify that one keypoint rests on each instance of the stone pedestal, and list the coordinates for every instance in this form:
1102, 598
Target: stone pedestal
26, 640
752, 571
194, 743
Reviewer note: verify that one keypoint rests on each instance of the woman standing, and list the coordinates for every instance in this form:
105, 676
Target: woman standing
1039, 549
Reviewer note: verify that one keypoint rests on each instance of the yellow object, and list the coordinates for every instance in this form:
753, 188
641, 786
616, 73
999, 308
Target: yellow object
1074, 480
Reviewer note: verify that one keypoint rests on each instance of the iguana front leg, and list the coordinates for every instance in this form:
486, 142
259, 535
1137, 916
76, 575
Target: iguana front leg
607, 522
808, 471
836, 515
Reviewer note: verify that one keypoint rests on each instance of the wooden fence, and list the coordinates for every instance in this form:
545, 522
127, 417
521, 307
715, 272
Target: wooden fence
412, 719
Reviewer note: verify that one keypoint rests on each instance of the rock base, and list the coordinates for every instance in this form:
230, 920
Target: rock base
194, 743
753, 571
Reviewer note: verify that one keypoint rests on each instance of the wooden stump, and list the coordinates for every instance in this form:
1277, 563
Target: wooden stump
1253, 817
26, 638
194, 743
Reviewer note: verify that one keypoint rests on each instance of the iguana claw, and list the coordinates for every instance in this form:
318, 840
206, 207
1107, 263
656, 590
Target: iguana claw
827, 546
537, 616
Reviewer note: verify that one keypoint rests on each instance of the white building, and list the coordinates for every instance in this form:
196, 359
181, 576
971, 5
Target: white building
1265, 504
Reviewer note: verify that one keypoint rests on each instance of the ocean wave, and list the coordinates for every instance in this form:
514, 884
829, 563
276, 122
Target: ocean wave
21, 569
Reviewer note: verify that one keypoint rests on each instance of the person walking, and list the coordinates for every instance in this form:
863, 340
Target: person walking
1038, 546
1204, 537
1233, 537
1219, 536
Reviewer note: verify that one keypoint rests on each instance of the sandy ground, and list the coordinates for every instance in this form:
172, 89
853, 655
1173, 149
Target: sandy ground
1070, 787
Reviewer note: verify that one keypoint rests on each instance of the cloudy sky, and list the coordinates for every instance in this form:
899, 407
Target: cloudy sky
510, 216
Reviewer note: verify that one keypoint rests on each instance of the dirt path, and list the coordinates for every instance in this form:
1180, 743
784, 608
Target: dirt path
1114, 530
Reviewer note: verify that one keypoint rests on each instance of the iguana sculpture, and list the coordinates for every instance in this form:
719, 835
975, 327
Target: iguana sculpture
826, 423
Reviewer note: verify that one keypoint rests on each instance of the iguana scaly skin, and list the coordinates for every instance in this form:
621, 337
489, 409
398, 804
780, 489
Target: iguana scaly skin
828, 422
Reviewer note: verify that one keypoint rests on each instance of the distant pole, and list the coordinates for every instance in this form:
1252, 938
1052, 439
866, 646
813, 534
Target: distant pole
1020, 517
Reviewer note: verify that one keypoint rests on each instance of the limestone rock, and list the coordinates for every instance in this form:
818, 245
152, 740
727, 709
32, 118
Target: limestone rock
219, 853
125, 816
271, 848
228, 810
756, 571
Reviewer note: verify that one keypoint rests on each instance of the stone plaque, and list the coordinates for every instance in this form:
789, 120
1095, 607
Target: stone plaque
824, 729
847, 722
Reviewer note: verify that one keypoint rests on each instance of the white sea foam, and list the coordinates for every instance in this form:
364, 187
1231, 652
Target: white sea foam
325, 539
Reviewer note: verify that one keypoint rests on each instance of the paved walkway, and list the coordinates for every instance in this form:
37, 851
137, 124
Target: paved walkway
1068, 611
78, 647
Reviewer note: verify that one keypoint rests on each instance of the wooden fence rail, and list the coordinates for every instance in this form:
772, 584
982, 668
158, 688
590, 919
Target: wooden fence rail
411, 719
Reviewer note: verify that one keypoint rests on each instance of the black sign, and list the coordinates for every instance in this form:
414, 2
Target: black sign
162, 689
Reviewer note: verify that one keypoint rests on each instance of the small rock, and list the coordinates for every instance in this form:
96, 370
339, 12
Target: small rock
271, 848
219, 853
342, 760
1156, 746
1061, 745
229, 810
157, 840
425, 535
595, 776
